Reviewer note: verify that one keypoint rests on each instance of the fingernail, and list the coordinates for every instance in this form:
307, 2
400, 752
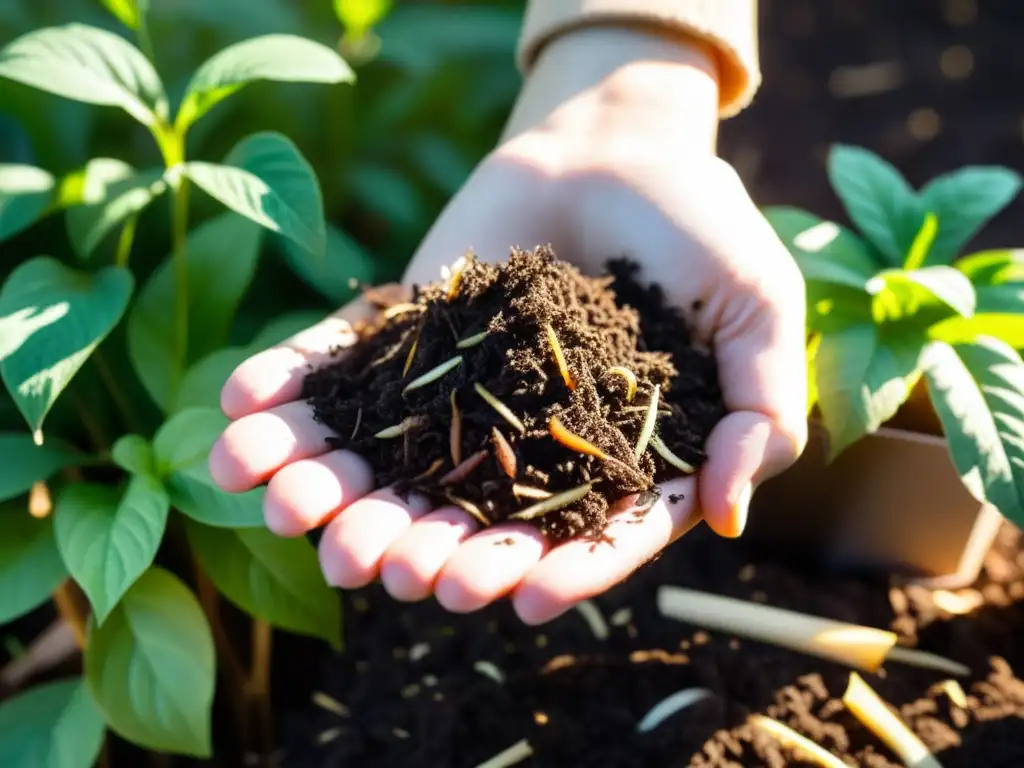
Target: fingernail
741, 509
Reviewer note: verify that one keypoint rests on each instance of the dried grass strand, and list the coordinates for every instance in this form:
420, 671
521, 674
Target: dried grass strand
663, 451
650, 420
433, 374
556, 349
554, 503
630, 378
503, 410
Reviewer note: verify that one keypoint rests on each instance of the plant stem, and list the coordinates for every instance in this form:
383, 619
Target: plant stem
232, 668
258, 688
120, 399
124, 244
73, 608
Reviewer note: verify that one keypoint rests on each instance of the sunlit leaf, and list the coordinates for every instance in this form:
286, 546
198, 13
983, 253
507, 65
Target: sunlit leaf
1007, 327
283, 58
964, 201
978, 392
134, 454
268, 180
108, 537
360, 16
112, 192
185, 439
151, 669
128, 12
222, 255
53, 725
23, 463
993, 267
878, 200
277, 579
904, 293
820, 245
87, 64
51, 320
863, 377
26, 195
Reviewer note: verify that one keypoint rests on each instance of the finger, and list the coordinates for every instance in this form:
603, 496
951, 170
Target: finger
253, 448
580, 569
309, 493
274, 377
488, 566
412, 564
738, 458
355, 541
761, 356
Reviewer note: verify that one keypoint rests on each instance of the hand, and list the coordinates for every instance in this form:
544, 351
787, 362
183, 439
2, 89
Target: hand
610, 151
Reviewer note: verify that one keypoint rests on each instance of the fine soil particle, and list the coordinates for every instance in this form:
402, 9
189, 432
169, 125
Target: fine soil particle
421, 687
568, 427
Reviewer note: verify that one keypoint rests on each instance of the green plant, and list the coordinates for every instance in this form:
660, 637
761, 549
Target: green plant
897, 303
132, 500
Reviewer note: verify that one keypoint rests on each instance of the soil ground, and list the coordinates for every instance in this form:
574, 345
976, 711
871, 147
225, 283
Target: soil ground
926, 83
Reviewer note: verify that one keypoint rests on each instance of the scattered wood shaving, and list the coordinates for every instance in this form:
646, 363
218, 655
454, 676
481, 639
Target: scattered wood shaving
511, 756
489, 670
801, 745
593, 616
669, 706
868, 707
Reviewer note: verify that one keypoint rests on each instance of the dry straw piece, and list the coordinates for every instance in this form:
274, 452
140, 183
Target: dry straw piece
509, 757
554, 503
868, 707
801, 745
433, 374
630, 378
556, 349
669, 706
503, 410
650, 420
864, 648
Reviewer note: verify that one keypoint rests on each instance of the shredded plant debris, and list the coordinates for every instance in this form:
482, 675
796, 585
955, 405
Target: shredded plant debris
565, 392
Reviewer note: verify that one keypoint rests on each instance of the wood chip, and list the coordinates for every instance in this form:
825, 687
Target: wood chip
669, 706
553, 504
504, 453
503, 410
433, 374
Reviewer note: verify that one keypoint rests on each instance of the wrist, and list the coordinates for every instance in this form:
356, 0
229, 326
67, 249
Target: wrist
596, 79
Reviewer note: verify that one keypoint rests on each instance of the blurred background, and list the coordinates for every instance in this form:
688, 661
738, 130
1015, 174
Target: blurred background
929, 84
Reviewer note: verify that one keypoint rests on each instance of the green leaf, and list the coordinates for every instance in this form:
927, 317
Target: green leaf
282, 58
87, 64
23, 463
964, 201
1003, 298
51, 320
343, 263
112, 192
269, 181
134, 454
978, 392
993, 267
54, 725
833, 307
904, 293
923, 242
194, 492
812, 241
186, 438
420, 38
182, 448
812, 377
1008, 328
127, 12
26, 195
108, 539
30, 565
151, 667
360, 16
877, 199
222, 257
278, 580
863, 378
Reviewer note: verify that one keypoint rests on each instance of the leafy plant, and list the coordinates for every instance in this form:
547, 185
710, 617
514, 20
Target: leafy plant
112, 511
896, 303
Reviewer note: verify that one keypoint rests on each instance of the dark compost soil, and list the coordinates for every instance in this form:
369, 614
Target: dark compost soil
413, 691
504, 328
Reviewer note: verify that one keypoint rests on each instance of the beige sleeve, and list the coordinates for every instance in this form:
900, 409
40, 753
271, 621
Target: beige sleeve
729, 26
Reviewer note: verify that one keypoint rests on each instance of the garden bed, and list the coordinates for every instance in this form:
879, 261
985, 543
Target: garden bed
416, 685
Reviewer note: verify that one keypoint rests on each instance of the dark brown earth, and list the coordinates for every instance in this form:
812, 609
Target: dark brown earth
570, 427
413, 691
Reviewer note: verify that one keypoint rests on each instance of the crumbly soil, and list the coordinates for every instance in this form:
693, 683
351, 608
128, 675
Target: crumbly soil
508, 463
416, 684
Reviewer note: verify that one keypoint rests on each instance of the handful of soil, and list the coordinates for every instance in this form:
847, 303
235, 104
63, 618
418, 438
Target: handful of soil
525, 391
